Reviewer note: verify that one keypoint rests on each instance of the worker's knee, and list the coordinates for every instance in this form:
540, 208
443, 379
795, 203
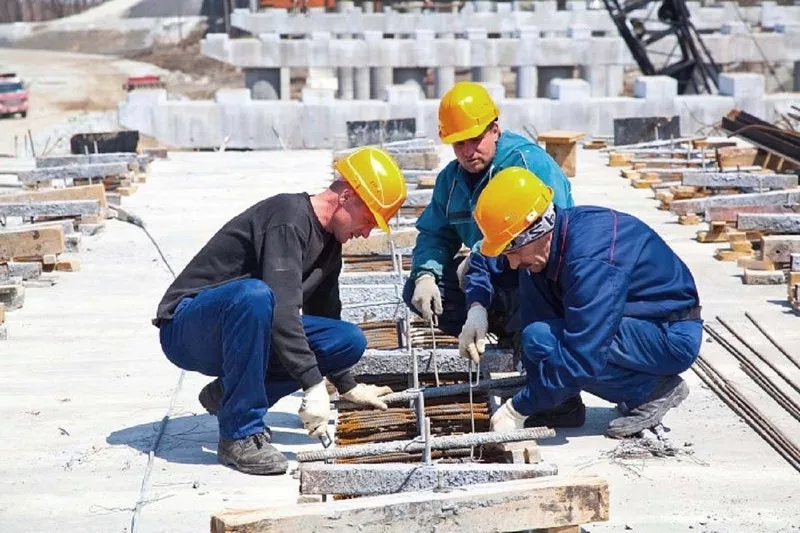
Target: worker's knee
354, 343
539, 339
252, 297
685, 339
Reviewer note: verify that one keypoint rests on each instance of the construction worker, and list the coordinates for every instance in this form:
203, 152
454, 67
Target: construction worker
606, 305
468, 120
259, 308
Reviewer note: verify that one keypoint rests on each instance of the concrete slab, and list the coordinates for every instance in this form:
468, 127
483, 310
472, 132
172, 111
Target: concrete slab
86, 386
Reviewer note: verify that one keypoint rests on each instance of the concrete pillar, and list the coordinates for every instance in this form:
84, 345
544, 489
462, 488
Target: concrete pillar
481, 52
445, 78
264, 83
527, 73
547, 74
368, 7
343, 6
527, 82
411, 76
253, 6
346, 85
483, 6
659, 93
380, 77
361, 89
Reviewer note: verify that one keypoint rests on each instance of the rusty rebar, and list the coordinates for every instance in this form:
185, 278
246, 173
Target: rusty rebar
436, 443
773, 341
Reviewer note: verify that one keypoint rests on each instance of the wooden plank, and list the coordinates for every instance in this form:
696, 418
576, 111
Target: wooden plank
85, 192
2, 313
731, 156
739, 179
555, 501
561, 136
31, 243
778, 248
730, 214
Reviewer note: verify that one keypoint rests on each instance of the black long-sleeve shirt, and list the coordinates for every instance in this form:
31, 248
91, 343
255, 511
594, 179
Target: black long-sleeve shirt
282, 242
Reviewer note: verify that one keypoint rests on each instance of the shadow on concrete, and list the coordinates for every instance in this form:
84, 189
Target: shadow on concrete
597, 419
192, 439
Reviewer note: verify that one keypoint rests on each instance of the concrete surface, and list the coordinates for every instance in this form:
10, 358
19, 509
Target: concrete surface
84, 384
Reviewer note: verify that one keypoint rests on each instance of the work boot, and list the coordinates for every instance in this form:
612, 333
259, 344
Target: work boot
670, 391
570, 414
211, 396
252, 455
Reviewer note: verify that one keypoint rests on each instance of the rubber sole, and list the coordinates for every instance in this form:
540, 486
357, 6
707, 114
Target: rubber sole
258, 470
631, 425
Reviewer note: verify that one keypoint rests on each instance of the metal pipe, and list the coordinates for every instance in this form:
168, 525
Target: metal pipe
446, 390
774, 368
773, 341
436, 443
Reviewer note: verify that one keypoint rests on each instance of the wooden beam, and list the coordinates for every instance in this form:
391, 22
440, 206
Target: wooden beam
555, 501
31, 243
84, 192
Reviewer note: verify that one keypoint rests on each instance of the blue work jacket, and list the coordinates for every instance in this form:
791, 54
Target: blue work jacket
447, 221
603, 265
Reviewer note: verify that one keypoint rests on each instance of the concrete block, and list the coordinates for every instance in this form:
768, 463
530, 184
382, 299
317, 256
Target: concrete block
741, 85
699, 205
402, 95
40, 209
232, 96
656, 88
579, 31
739, 179
735, 27
570, 90
368, 479
12, 294
763, 277
318, 96
496, 90
772, 223
377, 362
25, 270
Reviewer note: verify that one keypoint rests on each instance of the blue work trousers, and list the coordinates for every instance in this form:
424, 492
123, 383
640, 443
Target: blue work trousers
225, 331
503, 313
641, 352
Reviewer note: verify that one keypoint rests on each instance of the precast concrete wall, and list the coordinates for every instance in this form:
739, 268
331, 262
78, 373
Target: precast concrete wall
319, 120
497, 17
366, 61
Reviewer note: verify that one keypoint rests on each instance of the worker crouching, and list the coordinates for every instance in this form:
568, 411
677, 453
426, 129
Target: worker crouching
258, 307
606, 306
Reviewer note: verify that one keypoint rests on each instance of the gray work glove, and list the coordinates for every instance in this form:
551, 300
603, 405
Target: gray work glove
369, 395
315, 410
507, 418
472, 340
461, 272
426, 298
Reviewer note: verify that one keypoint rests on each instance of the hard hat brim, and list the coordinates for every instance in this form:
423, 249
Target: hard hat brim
469, 133
491, 248
381, 223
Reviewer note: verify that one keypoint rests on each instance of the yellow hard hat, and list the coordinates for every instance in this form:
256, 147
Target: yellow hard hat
378, 181
465, 111
513, 200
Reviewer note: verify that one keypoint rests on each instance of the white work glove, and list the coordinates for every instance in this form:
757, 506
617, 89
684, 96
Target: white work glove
507, 418
426, 298
472, 341
461, 271
316, 409
363, 394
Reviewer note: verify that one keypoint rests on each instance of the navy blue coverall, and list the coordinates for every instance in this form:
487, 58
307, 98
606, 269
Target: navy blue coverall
611, 313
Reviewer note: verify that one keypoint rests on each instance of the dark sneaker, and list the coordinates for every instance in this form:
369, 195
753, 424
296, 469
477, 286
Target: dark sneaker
252, 455
211, 396
570, 414
669, 392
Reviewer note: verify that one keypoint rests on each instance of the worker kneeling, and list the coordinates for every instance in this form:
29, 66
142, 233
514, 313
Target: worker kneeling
606, 306
259, 307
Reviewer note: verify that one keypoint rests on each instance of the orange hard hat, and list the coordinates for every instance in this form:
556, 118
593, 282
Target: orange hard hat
378, 181
465, 111
513, 200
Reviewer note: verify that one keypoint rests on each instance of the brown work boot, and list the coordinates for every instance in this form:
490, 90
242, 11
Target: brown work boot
252, 455
211, 396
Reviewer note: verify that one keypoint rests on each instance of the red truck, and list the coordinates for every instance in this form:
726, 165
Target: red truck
13, 95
